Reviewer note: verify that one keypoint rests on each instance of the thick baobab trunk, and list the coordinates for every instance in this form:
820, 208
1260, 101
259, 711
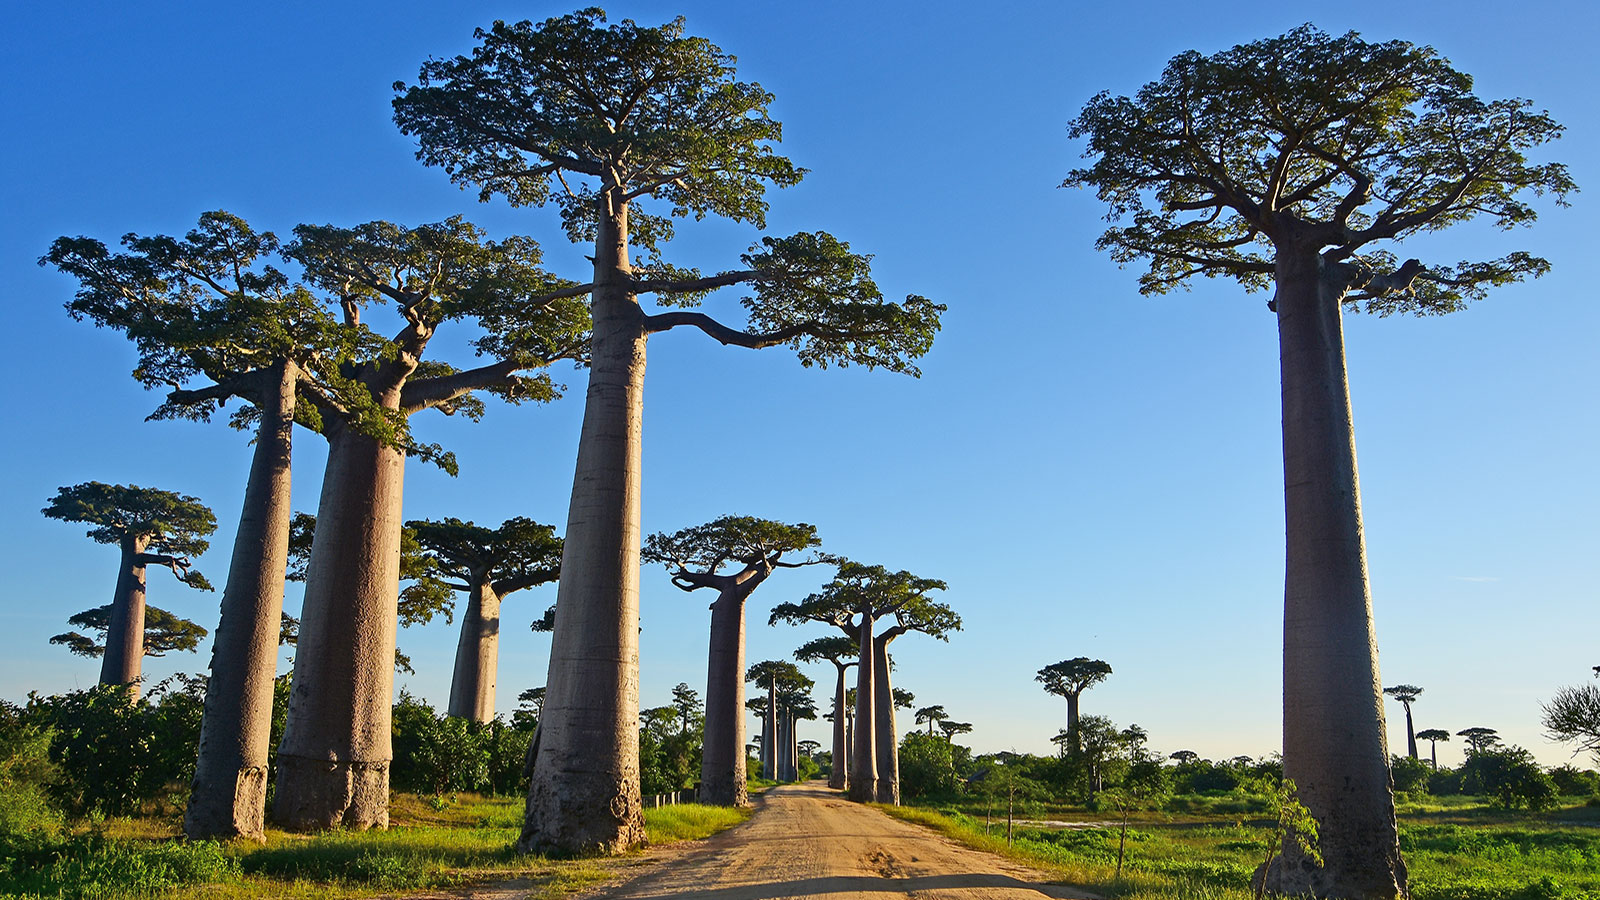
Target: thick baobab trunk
887, 741
230, 777
124, 655
584, 792
333, 763
722, 760
1333, 724
1411, 733
837, 779
477, 654
782, 746
864, 753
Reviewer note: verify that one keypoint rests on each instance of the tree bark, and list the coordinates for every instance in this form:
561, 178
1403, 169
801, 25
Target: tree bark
887, 741
124, 656
864, 755
1333, 724
1411, 733
837, 777
584, 792
230, 777
1073, 739
333, 764
477, 653
722, 760
769, 733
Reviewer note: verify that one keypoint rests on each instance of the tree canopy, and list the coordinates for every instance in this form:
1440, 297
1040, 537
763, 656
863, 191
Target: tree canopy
1072, 677
697, 554
174, 525
163, 632
519, 554
1324, 143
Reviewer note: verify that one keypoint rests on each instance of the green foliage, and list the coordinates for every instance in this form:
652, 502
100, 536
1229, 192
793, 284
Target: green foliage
26, 774
570, 96
115, 753
174, 524
746, 540
1509, 776
163, 632
1571, 781
520, 553
927, 766
1410, 775
690, 821
1312, 141
93, 866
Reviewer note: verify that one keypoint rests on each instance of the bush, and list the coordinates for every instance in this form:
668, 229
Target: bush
115, 752
91, 866
927, 768
1410, 775
1572, 781
436, 754
1510, 777
25, 776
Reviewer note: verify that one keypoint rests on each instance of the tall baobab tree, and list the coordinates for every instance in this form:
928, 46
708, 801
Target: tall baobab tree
932, 715
1433, 736
601, 119
1068, 679
213, 320
843, 652
732, 555
1407, 694
1288, 162
151, 528
333, 762
487, 564
854, 601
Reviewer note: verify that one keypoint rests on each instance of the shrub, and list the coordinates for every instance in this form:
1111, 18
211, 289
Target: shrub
1510, 777
927, 768
1410, 775
25, 776
92, 866
1572, 781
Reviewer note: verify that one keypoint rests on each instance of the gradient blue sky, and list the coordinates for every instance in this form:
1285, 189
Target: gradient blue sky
1093, 472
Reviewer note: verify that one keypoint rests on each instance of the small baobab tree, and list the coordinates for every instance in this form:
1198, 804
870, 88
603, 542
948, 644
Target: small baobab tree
601, 120
1068, 679
859, 596
1291, 163
732, 555
1407, 694
777, 676
1479, 739
487, 564
163, 632
151, 528
1433, 736
932, 715
842, 652
951, 729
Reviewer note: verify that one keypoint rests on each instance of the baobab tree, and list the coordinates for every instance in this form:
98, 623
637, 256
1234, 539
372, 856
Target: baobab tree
951, 729
859, 596
487, 564
1433, 736
1288, 162
333, 762
842, 651
931, 715
1068, 679
778, 677
151, 528
213, 320
1407, 694
732, 555
1479, 739
163, 632
601, 119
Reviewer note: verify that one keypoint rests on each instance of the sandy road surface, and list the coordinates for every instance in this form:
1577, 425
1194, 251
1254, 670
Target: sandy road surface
807, 841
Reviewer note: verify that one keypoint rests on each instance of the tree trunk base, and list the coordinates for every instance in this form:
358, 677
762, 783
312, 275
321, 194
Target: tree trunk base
724, 792
1297, 875
574, 824
836, 781
863, 790
217, 813
320, 794
888, 792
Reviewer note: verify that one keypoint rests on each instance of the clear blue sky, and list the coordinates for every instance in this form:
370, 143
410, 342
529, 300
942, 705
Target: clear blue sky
1094, 473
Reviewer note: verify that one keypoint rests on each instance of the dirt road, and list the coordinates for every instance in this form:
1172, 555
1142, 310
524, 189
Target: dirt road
807, 841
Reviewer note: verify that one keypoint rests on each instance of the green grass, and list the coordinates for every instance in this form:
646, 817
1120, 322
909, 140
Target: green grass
433, 844
1456, 851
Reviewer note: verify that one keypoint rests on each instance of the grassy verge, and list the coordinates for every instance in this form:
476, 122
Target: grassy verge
1454, 853
432, 845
